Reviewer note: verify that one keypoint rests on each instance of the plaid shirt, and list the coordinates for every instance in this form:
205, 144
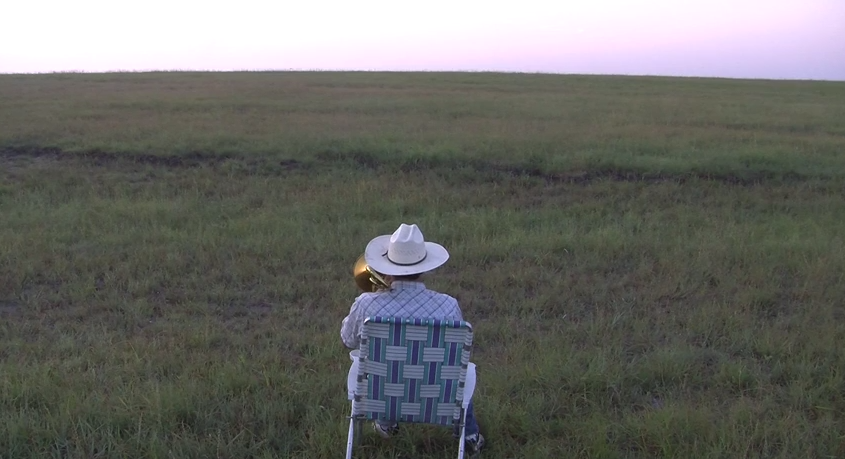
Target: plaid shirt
405, 299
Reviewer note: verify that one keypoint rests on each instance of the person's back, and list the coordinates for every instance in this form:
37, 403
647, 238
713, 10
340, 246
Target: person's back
406, 298
402, 258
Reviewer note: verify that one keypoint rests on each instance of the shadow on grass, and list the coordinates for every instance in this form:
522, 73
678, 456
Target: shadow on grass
472, 168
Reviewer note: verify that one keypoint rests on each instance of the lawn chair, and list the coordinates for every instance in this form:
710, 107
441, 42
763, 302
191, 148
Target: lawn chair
411, 371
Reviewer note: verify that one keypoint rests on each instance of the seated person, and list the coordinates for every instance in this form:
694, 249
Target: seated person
402, 258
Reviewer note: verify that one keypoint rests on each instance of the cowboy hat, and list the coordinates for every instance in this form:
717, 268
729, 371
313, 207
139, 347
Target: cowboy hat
403, 253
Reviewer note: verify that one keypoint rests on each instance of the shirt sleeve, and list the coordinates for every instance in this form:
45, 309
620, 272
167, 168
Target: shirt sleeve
350, 329
458, 312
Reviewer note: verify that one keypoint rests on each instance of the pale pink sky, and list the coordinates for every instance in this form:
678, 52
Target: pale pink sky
795, 39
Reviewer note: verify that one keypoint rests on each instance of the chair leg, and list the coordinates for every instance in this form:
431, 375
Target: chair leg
360, 430
350, 438
462, 444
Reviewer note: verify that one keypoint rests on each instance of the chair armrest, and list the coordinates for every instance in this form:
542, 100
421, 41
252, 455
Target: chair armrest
352, 380
469, 385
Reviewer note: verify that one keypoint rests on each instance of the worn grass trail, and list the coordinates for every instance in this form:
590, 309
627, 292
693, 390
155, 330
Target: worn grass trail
544, 122
158, 300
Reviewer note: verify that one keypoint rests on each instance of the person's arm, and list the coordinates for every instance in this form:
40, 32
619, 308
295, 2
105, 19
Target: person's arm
350, 330
458, 314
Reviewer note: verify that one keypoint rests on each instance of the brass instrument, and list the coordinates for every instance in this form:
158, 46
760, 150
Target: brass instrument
367, 278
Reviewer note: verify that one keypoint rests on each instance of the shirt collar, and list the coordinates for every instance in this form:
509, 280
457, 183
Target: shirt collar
407, 285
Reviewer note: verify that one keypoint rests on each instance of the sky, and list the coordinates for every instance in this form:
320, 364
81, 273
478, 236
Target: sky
773, 39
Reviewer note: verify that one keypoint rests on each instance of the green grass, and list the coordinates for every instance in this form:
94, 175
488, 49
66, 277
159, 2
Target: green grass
653, 266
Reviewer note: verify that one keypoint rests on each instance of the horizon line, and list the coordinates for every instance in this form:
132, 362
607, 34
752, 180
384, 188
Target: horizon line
465, 71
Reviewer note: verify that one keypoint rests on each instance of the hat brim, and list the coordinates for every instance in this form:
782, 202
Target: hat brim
376, 257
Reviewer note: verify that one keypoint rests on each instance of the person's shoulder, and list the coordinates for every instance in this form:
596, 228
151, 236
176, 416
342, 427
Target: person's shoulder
445, 297
449, 305
369, 297
365, 297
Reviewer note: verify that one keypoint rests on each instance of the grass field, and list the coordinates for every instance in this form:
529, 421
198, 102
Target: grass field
654, 267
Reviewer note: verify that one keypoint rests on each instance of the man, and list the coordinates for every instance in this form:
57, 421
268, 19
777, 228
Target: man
402, 258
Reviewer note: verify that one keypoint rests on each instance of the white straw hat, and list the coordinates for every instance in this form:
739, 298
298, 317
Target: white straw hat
403, 253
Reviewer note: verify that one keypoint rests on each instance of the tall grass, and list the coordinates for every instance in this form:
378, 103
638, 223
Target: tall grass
555, 123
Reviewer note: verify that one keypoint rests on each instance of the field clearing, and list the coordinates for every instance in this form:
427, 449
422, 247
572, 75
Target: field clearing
654, 267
